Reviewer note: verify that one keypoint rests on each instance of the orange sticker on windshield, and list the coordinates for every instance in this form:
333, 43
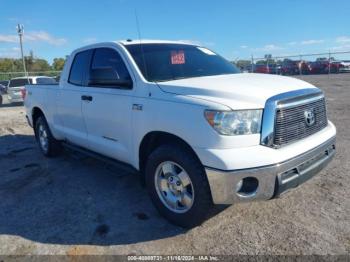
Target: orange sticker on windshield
177, 57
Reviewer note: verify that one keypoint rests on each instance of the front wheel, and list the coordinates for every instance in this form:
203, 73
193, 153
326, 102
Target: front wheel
177, 184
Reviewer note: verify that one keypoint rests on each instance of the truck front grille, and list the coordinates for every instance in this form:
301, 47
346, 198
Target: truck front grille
300, 121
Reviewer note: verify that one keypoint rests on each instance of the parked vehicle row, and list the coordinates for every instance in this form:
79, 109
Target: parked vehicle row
296, 67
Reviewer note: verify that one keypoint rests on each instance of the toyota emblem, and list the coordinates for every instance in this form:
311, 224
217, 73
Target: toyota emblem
309, 117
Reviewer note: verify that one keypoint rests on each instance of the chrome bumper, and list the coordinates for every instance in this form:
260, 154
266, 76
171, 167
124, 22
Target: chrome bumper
263, 183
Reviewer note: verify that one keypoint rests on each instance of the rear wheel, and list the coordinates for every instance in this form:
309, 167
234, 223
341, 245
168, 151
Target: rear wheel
177, 184
49, 146
0, 100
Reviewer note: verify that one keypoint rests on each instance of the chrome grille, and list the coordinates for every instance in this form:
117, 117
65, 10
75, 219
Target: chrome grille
291, 125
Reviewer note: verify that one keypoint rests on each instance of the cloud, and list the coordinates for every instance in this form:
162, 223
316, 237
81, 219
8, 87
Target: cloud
292, 43
344, 48
44, 37
191, 42
243, 46
196, 42
312, 42
12, 52
343, 39
268, 48
90, 40
8, 55
34, 36
8, 38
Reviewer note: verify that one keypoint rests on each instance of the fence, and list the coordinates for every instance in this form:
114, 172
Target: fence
9, 75
316, 63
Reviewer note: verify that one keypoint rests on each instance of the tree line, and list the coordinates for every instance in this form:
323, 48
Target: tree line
32, 63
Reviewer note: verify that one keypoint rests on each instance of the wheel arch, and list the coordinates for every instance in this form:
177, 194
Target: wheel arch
154, 139
36, 113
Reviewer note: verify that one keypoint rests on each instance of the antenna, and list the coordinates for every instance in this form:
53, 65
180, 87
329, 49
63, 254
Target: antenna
141, 46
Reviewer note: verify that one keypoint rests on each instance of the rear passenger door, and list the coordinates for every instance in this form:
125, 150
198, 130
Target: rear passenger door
108, 108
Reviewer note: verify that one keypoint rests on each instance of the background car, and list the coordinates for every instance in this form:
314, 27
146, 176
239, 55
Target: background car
303, 66
266, 69
324, 67
16, 86
318, 67
2, 92
2, 89
334, 66
5, 84
344, 66
289, 67
261, 68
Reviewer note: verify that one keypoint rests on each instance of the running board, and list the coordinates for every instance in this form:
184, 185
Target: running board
118, 164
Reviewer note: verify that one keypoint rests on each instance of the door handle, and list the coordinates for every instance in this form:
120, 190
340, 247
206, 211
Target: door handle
86, 98
137, 107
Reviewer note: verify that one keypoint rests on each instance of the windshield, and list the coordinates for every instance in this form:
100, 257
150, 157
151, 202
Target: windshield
166, 62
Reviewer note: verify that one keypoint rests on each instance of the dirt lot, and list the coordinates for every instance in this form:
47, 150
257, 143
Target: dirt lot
78, 205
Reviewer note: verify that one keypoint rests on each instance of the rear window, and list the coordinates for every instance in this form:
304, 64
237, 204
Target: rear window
20, 82
46, 81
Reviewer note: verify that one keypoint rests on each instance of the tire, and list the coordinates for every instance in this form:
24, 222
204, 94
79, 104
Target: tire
186, 215
48, 145
0, 100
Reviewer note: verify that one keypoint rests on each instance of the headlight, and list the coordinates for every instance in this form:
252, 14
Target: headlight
231, 123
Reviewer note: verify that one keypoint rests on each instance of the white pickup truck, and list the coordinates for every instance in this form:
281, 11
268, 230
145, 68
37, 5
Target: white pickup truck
197, 131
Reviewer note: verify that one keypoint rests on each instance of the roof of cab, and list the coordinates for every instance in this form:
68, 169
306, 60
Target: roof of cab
132, 42
150, 41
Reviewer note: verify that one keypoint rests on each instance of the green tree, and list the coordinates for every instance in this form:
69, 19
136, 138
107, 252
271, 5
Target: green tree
7, 65
243, 63
58, 64
40, 65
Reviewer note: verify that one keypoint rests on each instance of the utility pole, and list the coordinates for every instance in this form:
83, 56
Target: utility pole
329, 62
20, 34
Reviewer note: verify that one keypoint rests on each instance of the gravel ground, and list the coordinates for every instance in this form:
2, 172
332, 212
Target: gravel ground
78, 205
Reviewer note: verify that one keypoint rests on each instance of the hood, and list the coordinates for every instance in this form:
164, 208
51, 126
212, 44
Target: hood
237, 91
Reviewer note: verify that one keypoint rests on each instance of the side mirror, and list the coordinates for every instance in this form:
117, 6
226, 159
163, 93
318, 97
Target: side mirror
106, 76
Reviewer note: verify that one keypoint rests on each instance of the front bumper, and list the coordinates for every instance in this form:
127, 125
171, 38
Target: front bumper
266, 182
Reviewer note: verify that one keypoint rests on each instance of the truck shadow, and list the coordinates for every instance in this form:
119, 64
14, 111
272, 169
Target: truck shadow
6, 105
72, 199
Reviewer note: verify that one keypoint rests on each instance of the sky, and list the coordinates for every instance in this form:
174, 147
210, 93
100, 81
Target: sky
235, 29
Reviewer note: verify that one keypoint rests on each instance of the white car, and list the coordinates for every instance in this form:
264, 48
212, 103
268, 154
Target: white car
16, 86
196, 130
344, 66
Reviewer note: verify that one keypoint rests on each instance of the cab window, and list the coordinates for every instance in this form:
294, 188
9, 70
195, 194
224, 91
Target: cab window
79, 68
